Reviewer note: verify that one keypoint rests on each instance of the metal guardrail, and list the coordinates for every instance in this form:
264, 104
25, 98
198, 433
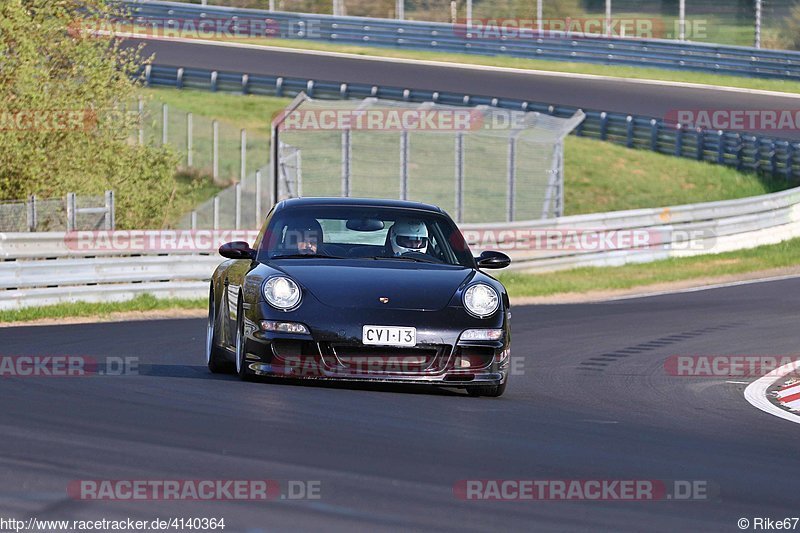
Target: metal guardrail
676, 55
123, 243
130, 266
99, 266
776, 157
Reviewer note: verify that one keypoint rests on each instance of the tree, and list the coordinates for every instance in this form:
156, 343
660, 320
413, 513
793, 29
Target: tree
63, 124
790, 35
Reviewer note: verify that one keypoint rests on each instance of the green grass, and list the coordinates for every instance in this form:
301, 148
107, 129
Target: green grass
600, 176
581, 280
145, 302
233, 112
251, 112
538, 64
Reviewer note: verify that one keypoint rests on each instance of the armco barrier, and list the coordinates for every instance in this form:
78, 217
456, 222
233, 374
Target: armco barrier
97, 266
47, 268
771, 156
718, 59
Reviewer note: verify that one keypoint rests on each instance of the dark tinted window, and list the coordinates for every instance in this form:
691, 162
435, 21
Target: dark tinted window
357, 232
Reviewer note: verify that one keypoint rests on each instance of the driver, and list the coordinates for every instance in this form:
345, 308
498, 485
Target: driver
305, 235
408, 236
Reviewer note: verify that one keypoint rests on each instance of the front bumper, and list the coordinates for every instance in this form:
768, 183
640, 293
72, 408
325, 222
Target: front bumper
332, 350
453, 364
446, 380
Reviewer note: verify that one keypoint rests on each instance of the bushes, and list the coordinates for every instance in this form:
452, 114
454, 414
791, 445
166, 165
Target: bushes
62, 125
790, 36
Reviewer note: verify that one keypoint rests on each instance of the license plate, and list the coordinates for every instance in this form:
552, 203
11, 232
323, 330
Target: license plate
389, 336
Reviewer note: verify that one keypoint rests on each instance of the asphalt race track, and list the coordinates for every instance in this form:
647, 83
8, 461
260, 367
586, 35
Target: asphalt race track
389, 459
599, 94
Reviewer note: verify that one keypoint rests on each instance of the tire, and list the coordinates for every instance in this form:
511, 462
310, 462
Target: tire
241, 368
491, 391
215, 358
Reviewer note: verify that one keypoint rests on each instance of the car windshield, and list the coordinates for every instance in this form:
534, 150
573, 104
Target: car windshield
364, 233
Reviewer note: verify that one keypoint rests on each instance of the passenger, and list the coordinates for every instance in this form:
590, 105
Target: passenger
407, 236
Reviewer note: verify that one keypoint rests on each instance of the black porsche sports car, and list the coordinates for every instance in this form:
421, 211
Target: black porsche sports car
360, 290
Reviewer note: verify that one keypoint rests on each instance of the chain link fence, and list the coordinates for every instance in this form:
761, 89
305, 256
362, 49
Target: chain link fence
70, 213
216, 150
240, 206
211, 147
481, 164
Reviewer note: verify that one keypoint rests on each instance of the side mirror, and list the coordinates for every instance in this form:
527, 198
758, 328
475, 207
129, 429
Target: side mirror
237, 250
490, 259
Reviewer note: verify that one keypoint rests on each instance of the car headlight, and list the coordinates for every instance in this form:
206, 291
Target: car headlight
481, 300
282, 293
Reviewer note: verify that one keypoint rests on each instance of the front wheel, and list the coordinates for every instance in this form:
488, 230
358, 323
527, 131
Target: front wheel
214, 356
241, 356
491, 391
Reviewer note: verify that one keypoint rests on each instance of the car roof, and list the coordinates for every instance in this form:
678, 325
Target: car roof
365, 202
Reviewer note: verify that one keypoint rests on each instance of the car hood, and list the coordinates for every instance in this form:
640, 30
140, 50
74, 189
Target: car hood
413, 286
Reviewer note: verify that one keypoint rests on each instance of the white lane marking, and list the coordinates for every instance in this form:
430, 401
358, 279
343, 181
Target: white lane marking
701, 288
462, 66
756, 393
738, 382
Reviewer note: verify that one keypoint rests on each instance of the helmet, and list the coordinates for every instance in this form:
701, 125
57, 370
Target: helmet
408, 236
303, 234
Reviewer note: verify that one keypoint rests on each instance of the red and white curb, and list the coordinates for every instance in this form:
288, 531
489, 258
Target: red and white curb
788, 395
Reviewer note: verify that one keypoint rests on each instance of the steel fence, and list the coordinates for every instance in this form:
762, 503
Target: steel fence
483, 38
733, 22
212, 147
215, 150
72, 212
242, 205
483, 164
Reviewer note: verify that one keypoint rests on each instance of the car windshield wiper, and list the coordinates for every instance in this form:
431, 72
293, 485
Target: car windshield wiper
404, 258
304, 256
